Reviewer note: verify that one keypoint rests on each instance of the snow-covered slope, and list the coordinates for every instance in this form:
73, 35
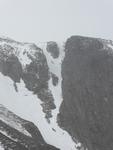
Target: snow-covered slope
22, 101
25, 104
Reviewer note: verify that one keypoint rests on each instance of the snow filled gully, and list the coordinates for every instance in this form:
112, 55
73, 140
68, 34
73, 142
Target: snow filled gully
28, 106
65, 141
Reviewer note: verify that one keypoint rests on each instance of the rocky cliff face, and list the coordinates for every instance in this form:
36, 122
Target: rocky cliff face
87, 110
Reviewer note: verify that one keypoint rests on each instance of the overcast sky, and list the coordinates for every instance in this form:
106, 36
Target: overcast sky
44, 20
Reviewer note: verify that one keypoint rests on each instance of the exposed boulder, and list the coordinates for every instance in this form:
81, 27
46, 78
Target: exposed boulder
53, 49
54, 79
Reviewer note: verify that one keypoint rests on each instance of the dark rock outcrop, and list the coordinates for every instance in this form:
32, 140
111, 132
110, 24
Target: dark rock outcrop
12, 68
54, 79
87, 110
53, 49
9, 63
